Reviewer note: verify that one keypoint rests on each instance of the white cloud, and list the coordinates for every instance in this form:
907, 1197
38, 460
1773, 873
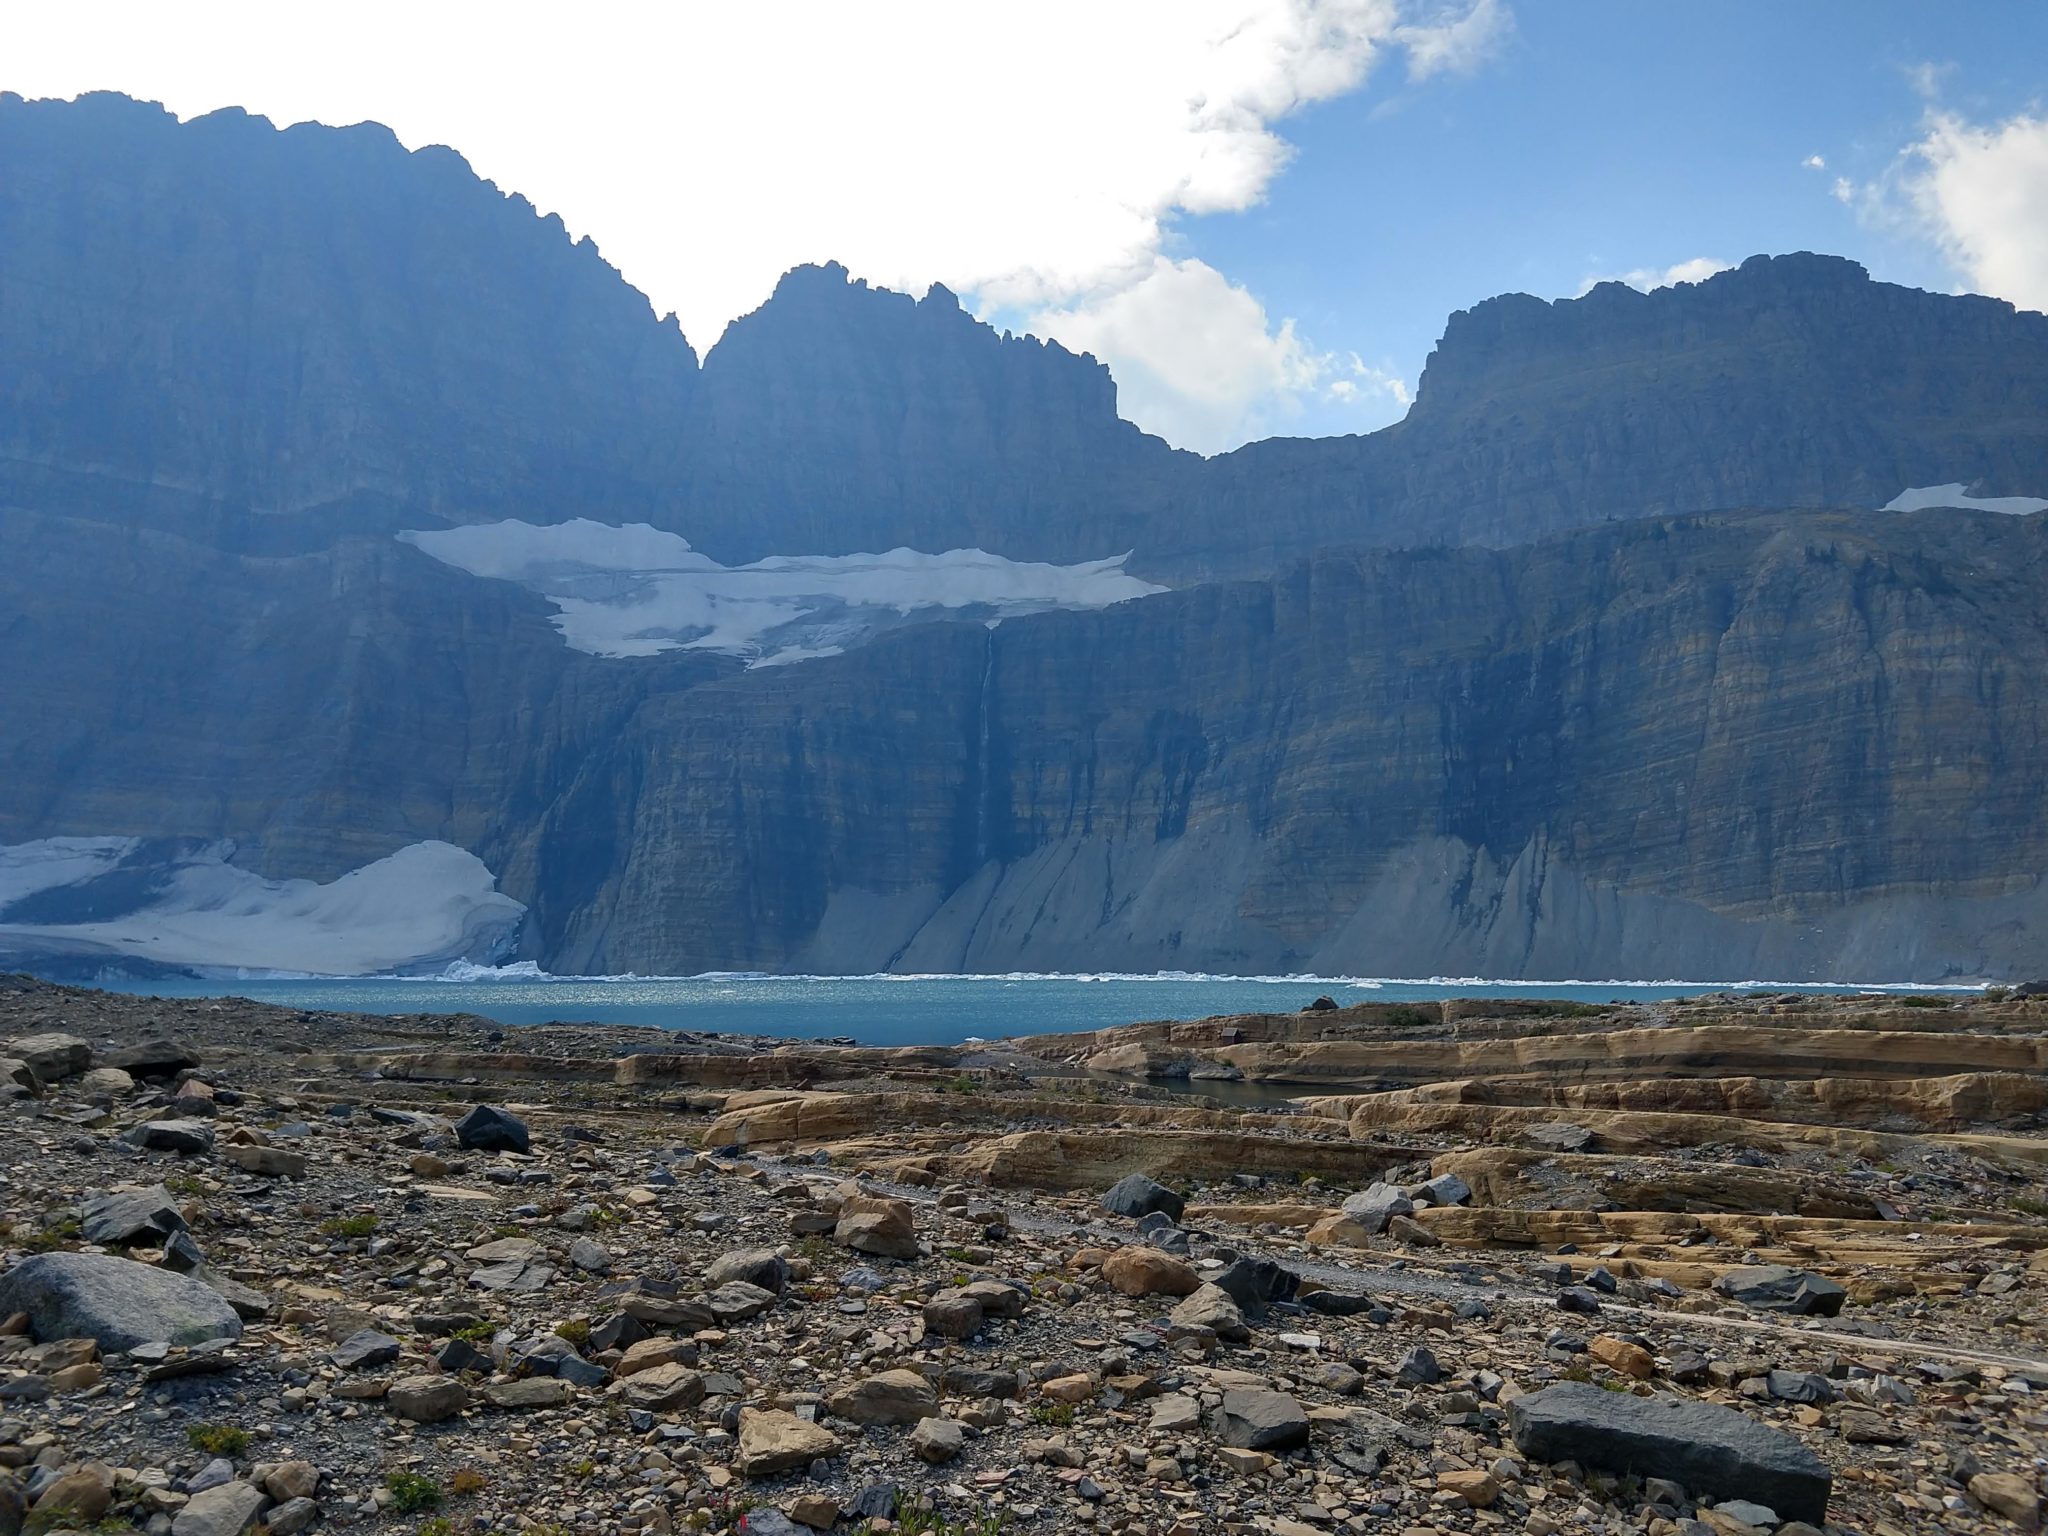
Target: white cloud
1980, 195
1034, 159
1454, 40
1815, 162
1643, 279
1198, 361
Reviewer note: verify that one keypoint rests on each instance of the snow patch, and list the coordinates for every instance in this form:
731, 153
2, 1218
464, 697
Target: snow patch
637, 591
182, 903
1955, 495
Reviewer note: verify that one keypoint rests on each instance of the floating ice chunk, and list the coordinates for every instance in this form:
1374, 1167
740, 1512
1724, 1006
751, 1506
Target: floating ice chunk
179, 903
637, 591
1954, 495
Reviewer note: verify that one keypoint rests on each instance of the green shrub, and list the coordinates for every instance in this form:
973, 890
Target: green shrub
348, 1226
412, 1494
217, 1439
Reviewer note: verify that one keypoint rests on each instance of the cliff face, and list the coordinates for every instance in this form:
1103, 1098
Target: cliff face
270, 339
1482, 692
1719, 747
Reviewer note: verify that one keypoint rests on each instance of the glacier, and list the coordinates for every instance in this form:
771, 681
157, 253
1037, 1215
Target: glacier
1955, 494
180, 902
635, 590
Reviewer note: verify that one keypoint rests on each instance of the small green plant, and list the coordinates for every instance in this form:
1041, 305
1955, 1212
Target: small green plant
964, 1084
1060, 1414
438, 1526
912, 1521
504, 1231
348, 1226
2030, 1205
217, 1439
1997, 994
466, 1483
64, 1232
576, 1330
1923, 1002
476, 1333
412, 1494
187, 1184
584, 1469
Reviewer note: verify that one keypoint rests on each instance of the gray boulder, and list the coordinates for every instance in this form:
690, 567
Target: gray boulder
1445, 1189
756, 1266
1134, 1195
1373, 1207
1255, 1284
1261, 1421
486, 1128
228, 1510
1705, 1448
182, 1136
117, 1302
52, 1057
152, 1058
1776, 1288
134, 1216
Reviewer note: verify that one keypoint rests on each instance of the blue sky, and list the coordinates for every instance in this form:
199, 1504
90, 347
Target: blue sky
1602, 138
1257, 212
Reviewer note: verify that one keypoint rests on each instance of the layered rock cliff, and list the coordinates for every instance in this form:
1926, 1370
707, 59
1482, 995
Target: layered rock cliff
1767, 744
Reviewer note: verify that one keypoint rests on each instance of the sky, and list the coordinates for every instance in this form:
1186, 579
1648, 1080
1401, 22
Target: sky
1258, 212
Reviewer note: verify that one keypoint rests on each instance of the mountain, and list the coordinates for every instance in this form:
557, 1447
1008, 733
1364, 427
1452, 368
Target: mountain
324, 467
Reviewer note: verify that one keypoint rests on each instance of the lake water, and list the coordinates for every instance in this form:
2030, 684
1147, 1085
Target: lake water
880, 1010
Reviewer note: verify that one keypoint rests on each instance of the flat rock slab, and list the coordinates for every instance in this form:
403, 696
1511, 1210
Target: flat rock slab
116, 1302
1705, 1448
133, 1216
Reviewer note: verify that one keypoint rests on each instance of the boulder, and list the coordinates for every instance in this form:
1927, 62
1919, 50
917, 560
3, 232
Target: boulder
84, 1494
1140, 1271
19, 1077
1256, 1284
736, 1301
107, 1083
486, 1128
117, 1303
1213, 1308
1374, 1206
228, 1510
2010, 1495
875, 1225
660, 1388
52, 1057
146, 1216
365, 1349
1620, 1355
1135, 1196
763, 1267
186, 1137
1776, 1288
152, 1058
937, 1440
1705, 1448
529, 1393
266, 1162
1445, 1189
1261, 1421
772, 1441
892, 1397
953, 1316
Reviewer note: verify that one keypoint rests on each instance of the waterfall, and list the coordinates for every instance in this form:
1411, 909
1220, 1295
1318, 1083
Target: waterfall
984, 816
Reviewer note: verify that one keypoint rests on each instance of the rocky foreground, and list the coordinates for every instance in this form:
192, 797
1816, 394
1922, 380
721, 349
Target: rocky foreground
1708, 1268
